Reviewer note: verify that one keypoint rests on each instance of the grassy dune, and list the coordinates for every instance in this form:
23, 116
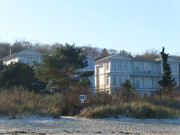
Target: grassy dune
16, 102
131, 109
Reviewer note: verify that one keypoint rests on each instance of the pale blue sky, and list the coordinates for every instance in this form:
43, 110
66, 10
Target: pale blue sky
132, 25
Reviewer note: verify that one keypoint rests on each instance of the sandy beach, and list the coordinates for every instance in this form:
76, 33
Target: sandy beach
79, 126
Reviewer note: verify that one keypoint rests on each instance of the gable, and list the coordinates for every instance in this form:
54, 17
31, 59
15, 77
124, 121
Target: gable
91, 56
29, 52
120, 57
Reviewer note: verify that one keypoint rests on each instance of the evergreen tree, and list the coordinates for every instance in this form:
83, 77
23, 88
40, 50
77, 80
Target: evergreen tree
1, 65
127, 85
128, 90
63, 70
104, 53
20, 74
167, 79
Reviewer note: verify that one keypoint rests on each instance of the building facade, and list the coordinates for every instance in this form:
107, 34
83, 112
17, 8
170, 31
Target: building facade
112, 71
91, 67
26, 56
30, 55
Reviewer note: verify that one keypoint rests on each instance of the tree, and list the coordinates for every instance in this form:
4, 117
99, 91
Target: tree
4, 49
126, 53
1, 65
128, 89
46, 48
167, 79
149, 54
104, 53
20, 45
127, 85
63, 70
20, 74
93, 50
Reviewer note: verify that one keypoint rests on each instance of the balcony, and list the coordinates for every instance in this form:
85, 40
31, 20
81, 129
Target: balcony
145, 73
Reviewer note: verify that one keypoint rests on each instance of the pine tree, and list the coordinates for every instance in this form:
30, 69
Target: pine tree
20, 74
167, 79
63, 70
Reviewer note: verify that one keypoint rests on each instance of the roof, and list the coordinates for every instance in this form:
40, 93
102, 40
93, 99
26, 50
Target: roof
90, 54
113, 56
14, 55
142, 59
171, 58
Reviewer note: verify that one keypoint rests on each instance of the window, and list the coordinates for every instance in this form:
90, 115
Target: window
137, 84
131, 67
29, 60
141, 67
119, 79
100, 65
122, 79
113, 65
21, 59
122, 66
174, 67
107, 80
107, 66
116, 63
150, 82
141, 83
119, 65
125, 78
132, 80
150, 68
90, 64
126, 66
115, 79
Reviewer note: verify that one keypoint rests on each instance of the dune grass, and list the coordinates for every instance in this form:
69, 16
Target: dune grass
132, 109
16, 102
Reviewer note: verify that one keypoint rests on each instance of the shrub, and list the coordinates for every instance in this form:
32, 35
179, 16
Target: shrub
132, 109
18, 101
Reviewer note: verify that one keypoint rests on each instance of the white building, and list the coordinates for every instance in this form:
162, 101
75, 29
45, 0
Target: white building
112, 71
30, 55
25, 56
91, 67
145, 74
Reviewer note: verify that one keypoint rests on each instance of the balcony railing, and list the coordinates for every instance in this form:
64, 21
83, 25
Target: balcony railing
149, 73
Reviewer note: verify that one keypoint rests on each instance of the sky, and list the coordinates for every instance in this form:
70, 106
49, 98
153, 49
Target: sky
131, 25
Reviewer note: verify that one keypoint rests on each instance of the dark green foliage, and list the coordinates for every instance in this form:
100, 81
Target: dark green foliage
4, 49
104, 53
20, 74
128, 90
1, 66
62, 70
127, 85
167, 79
